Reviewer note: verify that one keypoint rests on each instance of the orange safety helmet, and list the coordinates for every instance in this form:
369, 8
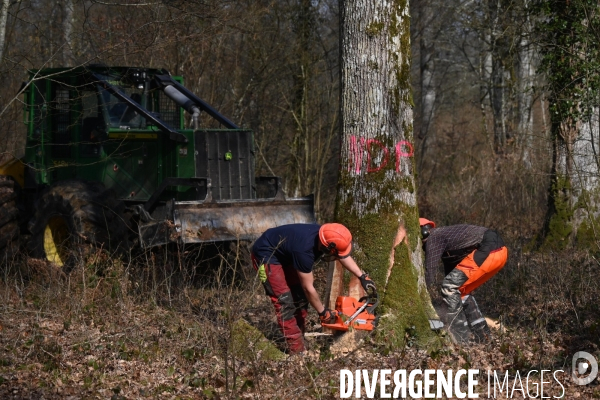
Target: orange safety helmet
336, 238
425, 221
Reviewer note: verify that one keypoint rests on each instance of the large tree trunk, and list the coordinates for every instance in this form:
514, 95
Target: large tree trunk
377, 194
574, 198
586, 171
570, 61
561, 197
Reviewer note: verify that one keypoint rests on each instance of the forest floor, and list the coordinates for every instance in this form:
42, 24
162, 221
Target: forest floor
99, 334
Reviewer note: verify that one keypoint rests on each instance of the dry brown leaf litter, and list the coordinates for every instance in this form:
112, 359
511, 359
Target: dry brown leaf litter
59, 342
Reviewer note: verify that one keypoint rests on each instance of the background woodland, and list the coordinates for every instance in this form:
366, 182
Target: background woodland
506, 135
490, 93
485, 74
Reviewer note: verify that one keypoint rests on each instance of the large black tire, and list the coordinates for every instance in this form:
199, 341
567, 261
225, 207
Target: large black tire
9, 220
71, 215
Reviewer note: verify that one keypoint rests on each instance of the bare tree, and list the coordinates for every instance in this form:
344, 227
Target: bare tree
526, 82
426, 35
68, 22
3, 18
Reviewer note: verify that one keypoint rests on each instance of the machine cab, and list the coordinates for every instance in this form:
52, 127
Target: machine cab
111, 125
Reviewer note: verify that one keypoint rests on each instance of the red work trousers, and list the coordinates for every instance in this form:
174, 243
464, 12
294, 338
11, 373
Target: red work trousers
283, 287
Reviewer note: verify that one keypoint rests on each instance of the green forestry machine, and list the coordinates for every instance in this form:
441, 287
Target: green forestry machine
116, 157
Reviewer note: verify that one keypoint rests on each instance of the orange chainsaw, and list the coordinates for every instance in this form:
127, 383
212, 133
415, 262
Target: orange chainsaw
355, 314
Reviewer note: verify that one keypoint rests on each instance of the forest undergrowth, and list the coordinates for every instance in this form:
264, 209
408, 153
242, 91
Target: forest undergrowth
154, 327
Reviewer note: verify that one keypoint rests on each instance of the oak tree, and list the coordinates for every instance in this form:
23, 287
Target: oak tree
377, 189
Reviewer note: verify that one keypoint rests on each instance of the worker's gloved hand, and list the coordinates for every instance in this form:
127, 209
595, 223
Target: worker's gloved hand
367, 283
328, 316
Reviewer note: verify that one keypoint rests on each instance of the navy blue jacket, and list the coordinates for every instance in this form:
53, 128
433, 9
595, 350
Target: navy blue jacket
294, 245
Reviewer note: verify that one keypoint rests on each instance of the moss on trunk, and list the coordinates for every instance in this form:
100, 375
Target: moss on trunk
377, 192
403, 306
559, 226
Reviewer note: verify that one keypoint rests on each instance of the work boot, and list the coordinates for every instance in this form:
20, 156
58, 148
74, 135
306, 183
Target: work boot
458, 327
455, 318
477, 323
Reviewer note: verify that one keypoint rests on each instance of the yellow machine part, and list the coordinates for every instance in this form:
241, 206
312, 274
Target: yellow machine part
56, 236
15, 168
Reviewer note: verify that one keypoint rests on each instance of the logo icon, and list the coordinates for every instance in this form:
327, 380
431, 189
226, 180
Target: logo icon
579, 368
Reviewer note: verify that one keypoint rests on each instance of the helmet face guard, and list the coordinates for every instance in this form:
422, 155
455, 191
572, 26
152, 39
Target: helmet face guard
336, 240
426, 226
425, 231
331, 253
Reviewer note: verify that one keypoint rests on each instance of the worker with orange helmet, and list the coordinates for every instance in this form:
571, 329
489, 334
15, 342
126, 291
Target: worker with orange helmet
471, 256
284, 258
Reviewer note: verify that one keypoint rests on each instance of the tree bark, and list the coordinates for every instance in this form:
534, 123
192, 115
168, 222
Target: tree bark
377, 193
497, 82
526, 71
498, 103
586, 170
427, 35
68, 20
575, 170
3, 18
485, 73
570, 60
427, 67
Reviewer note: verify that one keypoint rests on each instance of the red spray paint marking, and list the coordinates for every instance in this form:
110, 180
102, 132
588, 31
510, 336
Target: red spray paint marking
400, 153
356, 154
385, 155
359, 145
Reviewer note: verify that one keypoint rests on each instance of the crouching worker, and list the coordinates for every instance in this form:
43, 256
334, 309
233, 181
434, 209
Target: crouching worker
284, 258
471, 256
